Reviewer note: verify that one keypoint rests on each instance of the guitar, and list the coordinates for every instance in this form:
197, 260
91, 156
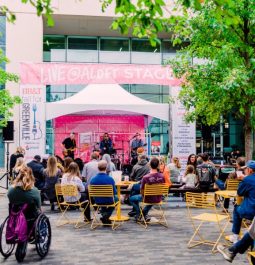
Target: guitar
36, 129
134, 150
66, 152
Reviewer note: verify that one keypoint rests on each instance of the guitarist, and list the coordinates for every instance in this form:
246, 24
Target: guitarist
135, 144
69, 145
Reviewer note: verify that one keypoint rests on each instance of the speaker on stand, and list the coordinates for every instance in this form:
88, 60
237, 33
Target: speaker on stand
8, 137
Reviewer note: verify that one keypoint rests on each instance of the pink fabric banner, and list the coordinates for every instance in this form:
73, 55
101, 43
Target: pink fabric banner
68, 73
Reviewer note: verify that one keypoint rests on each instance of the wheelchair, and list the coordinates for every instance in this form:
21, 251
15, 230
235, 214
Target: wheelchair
39, 234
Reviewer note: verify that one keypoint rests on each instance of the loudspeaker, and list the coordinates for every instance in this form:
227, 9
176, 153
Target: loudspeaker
8, 132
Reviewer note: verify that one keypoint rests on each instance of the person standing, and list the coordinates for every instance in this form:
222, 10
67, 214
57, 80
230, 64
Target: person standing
19, 153
106, 145
69, 145
135, 144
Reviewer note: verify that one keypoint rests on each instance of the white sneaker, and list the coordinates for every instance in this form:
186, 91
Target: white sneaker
232, 238
228, 255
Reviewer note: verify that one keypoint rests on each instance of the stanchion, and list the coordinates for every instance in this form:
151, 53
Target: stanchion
7, 173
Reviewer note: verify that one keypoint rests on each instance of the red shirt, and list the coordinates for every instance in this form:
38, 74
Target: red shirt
152, 178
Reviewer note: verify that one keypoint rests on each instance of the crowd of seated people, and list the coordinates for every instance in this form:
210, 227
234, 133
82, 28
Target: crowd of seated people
200, 173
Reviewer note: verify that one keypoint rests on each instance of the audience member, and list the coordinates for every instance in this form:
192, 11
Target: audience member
20, 163
18, 153
104, 179
52, 176
91, 168
192, 160
110, 165
37, 169
67, 161
246, 210
72, 176
175, 170
189, 179
165, 171
140, 169
153, 177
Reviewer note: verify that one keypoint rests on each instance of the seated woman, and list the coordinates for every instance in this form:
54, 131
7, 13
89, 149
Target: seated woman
72, 176
51, 175
19, 164
165, 171
175, 170
23, 191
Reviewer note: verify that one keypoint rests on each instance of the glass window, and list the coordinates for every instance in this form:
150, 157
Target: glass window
167, 46
107, 44
51, 97
155, 89
77, 43
53, 42
144, 46
150, 97
2, 30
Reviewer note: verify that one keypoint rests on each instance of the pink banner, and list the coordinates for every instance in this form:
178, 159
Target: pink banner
67, 73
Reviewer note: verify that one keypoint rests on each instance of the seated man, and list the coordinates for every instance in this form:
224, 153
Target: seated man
247, 208
241, 246
103, 179
154, 177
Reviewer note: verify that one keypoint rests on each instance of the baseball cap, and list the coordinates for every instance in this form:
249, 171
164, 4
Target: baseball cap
251, 164
37, 157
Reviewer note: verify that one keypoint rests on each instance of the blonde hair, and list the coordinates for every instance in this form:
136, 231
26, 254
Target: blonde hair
52, 168
189, 170
25, 179
74, 170
176, 161
20, 162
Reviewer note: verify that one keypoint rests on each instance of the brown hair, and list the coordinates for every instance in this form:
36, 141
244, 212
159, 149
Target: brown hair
20, 162
102, 165
25, 179
67, 162
74, 170
189, 170
52, 168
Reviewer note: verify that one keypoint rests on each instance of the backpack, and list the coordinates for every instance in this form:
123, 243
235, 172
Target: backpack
206, 174
16, 230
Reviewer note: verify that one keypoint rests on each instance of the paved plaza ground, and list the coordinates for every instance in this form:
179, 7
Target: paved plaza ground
129, 244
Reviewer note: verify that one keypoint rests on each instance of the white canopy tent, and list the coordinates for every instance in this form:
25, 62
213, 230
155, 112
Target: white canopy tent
106, 99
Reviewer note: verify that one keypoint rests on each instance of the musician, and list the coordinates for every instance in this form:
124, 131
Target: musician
69, 145
135, 144
106, 146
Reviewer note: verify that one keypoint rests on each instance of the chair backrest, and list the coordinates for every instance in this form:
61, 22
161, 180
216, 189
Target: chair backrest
69, 190
232, 184
200, 200
101, 191
58, 190
156, 190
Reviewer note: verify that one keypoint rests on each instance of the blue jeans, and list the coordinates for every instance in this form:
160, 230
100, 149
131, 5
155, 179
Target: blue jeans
221, 186
106, 212
242, 245
237, 219
134, 200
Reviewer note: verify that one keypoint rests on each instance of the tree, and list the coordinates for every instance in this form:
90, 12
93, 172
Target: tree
222, 34
7, 101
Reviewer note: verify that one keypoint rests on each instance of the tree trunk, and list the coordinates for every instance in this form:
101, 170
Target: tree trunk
248, 135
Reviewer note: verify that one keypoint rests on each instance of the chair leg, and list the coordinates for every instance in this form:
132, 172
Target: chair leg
63, 216
220, 236
82, 220
95, 223
196, 233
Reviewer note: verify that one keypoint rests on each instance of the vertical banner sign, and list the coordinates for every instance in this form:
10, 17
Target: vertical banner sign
183, 134
32, 120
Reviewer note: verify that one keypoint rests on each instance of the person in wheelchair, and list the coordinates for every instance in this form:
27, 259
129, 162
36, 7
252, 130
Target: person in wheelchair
25, 223
23, 192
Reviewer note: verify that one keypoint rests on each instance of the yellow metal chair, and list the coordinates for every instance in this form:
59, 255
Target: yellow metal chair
101, 191
154, 190
232, 184
206, 202
70, 190
251, 254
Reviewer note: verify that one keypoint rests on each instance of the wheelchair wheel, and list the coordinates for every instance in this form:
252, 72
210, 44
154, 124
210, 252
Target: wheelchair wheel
42, 235
21, 251
5, 249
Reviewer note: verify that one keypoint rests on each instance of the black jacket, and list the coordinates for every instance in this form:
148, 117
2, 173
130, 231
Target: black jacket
139, 170
37, 169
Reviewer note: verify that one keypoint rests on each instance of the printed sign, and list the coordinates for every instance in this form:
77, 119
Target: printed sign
67, 73
32, 120
183, 134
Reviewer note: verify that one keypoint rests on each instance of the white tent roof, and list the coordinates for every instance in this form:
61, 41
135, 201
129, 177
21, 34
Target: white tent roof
106, 99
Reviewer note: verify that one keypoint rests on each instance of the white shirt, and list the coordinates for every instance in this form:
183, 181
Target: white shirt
73, 180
